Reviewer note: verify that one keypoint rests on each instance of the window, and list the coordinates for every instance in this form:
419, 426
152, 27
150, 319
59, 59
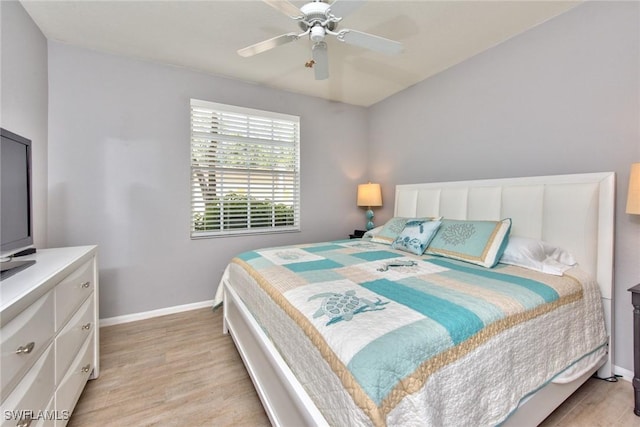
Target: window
245, 170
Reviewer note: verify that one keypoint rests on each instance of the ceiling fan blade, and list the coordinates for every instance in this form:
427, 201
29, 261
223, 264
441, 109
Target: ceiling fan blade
341, 8
263, 46
321, 60
285, 7
369, 41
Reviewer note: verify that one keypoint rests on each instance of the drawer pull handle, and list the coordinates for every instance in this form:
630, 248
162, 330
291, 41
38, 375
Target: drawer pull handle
86, 368
85, 284
86, 326
24, 422
26, 349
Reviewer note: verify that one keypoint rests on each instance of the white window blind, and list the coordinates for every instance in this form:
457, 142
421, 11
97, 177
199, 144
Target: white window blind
245, 170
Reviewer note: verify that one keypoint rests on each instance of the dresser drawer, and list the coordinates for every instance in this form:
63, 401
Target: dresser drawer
72, 291
23, 340
70, 339
32, 394
75, 379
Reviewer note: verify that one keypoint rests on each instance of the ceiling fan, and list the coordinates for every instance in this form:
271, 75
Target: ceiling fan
317, 19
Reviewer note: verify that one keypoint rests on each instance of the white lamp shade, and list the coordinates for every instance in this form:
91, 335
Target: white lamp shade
633, 197
369, 195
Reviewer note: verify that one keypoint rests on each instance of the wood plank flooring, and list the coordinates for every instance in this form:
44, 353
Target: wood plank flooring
181, 370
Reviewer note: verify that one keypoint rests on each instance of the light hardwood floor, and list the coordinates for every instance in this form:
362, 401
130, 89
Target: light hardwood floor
180, 370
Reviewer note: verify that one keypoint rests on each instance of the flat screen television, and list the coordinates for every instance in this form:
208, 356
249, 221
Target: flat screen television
16, 230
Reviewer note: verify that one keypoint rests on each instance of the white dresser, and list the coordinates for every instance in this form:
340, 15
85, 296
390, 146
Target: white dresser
49, 336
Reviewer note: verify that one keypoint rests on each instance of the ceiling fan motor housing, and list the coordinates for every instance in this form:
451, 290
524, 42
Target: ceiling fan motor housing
315, 13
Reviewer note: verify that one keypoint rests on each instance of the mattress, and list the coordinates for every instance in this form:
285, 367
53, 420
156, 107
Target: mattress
439, 342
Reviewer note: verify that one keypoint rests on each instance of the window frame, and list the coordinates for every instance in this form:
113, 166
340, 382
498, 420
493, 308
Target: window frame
289, 196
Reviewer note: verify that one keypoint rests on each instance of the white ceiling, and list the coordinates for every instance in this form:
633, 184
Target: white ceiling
205, 35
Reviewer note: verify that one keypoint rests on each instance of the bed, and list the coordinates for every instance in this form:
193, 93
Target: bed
316, 362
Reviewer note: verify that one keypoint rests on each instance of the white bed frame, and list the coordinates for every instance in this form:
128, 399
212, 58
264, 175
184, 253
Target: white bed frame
575, 212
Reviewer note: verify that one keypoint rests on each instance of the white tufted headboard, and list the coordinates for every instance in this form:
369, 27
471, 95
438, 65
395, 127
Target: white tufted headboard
575, 212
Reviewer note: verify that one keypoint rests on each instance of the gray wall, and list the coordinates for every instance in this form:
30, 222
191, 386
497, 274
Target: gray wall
119, 173
561, 98
23, 105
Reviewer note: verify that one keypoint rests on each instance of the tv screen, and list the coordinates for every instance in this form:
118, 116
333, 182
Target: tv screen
16, 232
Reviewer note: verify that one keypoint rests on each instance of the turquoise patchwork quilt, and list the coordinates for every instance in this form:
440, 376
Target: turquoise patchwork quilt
390, 325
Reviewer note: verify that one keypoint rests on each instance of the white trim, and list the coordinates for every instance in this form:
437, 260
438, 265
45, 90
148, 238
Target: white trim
117, 320
626, 374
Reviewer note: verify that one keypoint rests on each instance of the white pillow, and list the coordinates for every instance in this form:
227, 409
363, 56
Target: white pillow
537, 255
373, 232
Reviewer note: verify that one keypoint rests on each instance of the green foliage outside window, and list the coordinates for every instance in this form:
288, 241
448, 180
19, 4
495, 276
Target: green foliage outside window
237, 211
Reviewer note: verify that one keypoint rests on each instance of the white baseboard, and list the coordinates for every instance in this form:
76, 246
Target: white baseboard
626, 374
154, 313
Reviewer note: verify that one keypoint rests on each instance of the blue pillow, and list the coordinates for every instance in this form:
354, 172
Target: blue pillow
415, 236
477, 242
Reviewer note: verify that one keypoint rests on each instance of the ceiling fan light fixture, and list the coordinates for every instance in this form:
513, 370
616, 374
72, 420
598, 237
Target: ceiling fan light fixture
320, 60
317, 34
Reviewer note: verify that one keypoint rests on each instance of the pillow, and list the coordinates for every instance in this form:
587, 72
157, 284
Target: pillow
477, 242
415, 236
392, 229
537, 255
373, 232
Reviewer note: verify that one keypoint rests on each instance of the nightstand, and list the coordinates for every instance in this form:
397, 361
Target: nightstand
635, 300
357, 234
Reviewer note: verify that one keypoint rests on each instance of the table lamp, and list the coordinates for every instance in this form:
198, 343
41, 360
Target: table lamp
633, 197
369, 195
633, 208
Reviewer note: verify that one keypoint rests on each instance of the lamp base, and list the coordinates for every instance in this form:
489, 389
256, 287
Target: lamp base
369, 215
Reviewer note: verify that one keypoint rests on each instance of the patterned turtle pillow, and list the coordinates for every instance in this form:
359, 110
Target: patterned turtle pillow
415, 236
477, 242
392, 229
